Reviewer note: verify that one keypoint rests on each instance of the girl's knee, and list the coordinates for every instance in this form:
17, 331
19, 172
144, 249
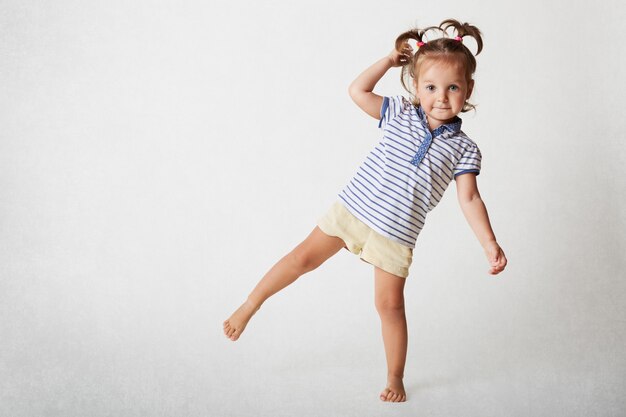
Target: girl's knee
390, 305
302, 260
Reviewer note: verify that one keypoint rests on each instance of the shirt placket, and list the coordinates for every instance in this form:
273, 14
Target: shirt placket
421, 151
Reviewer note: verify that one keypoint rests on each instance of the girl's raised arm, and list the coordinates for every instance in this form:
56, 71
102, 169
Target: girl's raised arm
361, 89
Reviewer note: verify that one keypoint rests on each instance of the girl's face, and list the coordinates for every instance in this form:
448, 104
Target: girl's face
442, 89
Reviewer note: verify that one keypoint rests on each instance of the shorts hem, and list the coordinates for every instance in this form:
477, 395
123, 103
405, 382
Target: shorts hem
347, 245
398, 271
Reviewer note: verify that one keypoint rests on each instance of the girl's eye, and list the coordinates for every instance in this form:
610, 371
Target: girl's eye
454, 87
430, 87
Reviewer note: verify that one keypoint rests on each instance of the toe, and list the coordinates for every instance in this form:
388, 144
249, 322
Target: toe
383, 395
390, 395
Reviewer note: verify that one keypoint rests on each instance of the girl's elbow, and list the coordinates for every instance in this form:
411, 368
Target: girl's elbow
468, 198
354, 92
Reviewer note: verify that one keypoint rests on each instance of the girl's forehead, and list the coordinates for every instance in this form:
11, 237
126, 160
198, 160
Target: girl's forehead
441, 63
442, 66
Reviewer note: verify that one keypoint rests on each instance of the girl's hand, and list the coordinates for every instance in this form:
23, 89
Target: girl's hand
403, 57
496, 257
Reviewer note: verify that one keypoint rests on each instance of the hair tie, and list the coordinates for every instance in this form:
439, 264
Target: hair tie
420, 43
458, 38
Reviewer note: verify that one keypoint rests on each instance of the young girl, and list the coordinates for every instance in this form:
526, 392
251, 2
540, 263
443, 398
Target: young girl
380, 213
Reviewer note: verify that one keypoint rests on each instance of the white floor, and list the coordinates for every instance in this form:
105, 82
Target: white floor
479, 346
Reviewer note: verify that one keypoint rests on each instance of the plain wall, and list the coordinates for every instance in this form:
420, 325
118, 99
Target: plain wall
156, 158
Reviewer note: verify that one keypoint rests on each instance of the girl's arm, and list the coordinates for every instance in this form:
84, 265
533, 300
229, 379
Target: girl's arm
361, 88
475, 212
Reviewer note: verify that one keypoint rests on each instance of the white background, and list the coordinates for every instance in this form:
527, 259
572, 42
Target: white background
156, 158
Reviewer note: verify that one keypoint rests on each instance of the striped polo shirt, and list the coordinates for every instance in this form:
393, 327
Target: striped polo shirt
406, 174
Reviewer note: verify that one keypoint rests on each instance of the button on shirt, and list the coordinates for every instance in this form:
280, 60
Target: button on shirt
406, 174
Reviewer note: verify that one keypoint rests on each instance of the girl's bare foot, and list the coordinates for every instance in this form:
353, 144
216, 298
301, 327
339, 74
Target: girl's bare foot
233, 327
394, 392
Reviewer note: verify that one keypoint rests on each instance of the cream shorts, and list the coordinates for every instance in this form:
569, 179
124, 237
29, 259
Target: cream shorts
361, 240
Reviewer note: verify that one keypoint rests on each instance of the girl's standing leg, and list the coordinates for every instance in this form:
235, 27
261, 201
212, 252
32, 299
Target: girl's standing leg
305, 257
389, 295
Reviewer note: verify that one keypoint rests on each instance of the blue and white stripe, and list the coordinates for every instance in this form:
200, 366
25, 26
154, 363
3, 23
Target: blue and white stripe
405, 175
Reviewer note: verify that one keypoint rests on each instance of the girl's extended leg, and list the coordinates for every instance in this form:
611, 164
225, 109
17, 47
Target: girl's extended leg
305, 257
389, 295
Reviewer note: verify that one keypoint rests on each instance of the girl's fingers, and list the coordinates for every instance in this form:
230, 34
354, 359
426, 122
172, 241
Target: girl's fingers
497, 261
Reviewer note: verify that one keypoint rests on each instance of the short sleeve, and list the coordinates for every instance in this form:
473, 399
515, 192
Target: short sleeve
469, 162
391, 107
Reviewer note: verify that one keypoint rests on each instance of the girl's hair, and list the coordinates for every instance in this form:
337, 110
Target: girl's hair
444, 48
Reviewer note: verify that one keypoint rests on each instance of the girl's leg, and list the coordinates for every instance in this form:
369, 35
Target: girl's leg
389, 295
307, 256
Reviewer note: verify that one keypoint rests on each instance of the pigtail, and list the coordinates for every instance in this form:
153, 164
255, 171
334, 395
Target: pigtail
414, 34
406, 74
407, 69
463, 29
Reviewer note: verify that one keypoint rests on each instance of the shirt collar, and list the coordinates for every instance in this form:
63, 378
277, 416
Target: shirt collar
454, 126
